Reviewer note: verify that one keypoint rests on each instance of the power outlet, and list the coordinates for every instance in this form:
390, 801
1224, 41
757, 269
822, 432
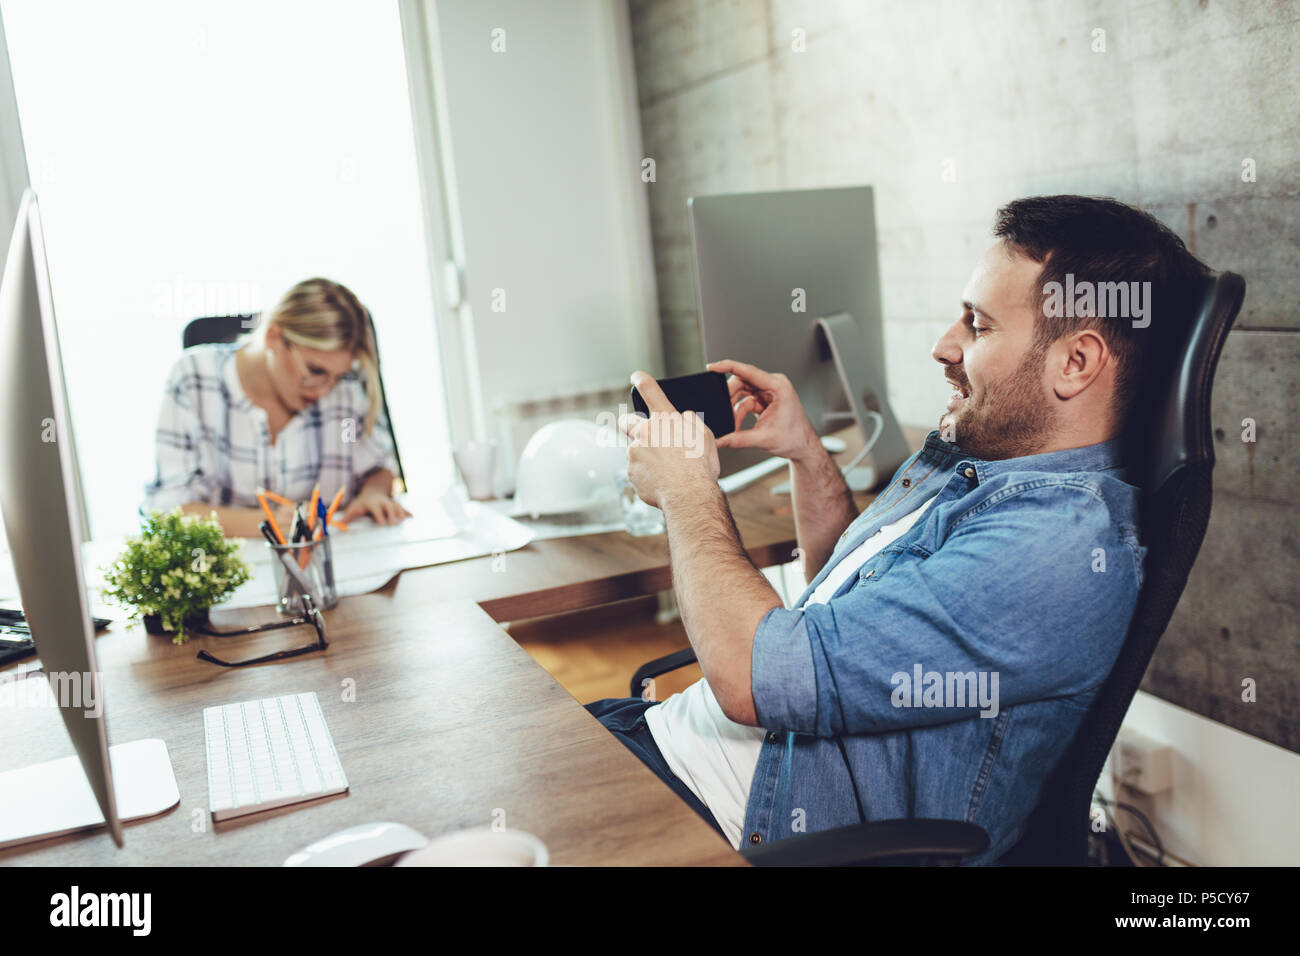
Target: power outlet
1142, 763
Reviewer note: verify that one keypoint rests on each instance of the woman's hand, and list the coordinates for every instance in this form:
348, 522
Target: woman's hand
782, 428
378, 505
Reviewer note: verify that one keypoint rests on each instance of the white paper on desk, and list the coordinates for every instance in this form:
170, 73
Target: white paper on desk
378, 553
430, 519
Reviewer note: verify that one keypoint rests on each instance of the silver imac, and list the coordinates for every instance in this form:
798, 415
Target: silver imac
789, 281
43, 522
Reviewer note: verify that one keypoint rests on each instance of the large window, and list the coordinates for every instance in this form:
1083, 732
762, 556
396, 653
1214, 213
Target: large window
198, 159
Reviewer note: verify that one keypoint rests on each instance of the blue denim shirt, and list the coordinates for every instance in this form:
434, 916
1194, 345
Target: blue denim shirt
1018, 580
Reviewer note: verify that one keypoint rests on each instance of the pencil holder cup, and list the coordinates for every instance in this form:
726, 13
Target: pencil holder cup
310, 570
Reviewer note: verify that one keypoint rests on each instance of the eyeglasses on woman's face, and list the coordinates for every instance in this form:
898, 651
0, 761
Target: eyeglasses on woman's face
314, 376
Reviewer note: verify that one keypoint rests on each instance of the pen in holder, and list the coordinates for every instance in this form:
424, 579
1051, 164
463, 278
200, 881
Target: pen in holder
295, 575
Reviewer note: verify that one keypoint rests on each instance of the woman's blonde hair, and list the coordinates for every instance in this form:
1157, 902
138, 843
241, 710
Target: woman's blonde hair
325, 315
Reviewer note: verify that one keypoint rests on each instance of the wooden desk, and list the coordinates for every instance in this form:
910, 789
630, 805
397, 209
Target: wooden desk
451, 720
566, 574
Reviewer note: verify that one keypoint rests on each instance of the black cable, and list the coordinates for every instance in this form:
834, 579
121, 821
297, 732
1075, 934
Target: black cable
1155, 837
1114, 827
1142, 818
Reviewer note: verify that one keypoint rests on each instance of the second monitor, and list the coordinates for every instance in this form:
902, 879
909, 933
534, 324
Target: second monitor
769, 265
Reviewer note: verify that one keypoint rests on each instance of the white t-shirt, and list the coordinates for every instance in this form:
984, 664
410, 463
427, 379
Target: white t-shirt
716, 756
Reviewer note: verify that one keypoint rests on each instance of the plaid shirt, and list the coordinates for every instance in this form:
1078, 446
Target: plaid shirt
214, 446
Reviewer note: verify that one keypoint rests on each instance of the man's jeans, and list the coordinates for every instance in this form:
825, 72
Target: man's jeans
624, 717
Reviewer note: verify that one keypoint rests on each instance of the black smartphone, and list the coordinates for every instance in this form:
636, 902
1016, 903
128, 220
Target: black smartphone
704, 393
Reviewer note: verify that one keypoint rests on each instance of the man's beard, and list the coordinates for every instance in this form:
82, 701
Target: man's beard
1011, 419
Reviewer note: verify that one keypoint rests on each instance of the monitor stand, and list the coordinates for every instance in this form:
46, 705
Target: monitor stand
859, 377
53, 798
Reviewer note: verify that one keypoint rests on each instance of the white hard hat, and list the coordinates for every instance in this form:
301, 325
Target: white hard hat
568, 466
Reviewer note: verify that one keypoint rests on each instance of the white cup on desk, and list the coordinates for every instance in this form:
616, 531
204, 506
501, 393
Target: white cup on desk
476, 461
481, 846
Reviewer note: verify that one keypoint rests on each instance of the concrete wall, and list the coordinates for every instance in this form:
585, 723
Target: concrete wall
1017, 98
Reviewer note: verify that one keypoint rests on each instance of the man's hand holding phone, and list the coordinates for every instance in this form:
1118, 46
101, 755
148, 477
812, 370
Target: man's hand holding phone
782, 428
673, 454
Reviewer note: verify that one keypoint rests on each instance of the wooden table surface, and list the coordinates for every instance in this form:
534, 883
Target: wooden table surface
452, 723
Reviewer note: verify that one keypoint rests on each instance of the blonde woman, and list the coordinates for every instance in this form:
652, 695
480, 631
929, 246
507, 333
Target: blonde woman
283, 409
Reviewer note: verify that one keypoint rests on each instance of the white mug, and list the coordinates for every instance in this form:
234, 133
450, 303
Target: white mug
480, 846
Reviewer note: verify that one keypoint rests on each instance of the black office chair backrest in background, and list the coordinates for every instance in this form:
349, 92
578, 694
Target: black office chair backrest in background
228, 328
1170, 455
217, 328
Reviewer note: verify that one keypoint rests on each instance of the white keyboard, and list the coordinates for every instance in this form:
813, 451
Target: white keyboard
269, 753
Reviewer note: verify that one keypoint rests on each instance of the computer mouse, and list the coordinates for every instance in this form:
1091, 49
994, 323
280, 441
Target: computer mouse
370, 844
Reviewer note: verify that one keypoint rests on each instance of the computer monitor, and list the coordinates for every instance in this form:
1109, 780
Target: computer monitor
769, 265
43, 523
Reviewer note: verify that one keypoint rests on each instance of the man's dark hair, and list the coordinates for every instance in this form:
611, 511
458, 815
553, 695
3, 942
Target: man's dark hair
1102, 240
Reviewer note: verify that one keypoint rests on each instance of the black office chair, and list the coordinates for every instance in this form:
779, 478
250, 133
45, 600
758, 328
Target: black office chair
227, 328
1170, 455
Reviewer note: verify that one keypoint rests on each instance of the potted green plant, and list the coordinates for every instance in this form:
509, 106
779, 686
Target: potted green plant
174, 570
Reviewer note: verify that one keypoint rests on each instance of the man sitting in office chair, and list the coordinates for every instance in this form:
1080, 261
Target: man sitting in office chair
954, 634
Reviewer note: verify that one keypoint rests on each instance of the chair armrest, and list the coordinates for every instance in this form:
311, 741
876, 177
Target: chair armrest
908, 842
659, 666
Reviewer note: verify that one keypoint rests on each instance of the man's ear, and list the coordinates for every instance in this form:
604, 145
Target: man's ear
1080, 359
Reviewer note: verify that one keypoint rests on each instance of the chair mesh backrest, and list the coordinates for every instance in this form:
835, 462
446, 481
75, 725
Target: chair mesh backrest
216, 328
1171, 458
